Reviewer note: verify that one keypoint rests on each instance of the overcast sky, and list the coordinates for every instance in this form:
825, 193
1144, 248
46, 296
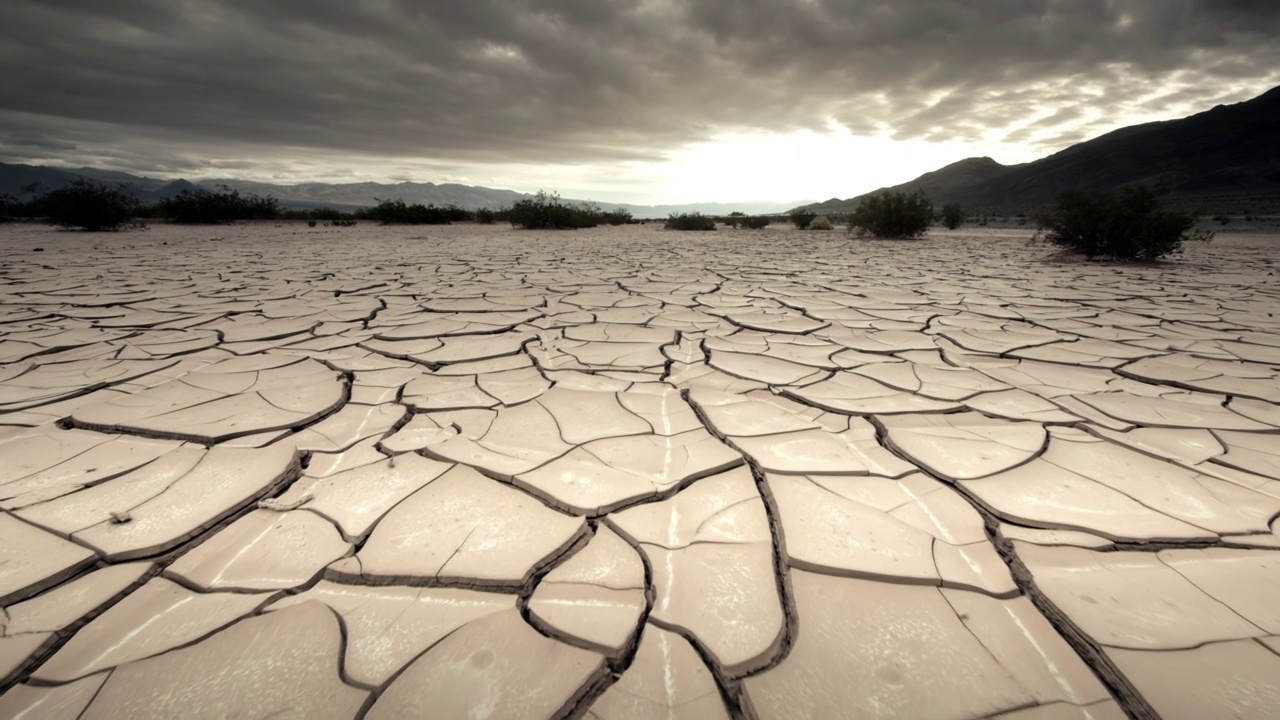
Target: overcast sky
647, 101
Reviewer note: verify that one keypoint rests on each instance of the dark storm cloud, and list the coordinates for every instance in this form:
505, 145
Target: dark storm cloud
593, 80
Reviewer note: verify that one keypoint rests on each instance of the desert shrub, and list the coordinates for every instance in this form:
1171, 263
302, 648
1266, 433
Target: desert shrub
733, 219
88, 205
1127, 225
397, 212
620, 216
207, 207
952, 215
546, 211
893, 214
802, 218
756, 222
690, 221
325, 214
820, 223
485, 216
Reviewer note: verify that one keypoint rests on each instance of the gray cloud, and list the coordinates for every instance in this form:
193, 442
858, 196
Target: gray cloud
155, 83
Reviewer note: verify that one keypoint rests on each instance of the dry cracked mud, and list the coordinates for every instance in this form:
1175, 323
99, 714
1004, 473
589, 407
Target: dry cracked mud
266, 470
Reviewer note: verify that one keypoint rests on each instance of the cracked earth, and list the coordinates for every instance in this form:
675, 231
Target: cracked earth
626, 473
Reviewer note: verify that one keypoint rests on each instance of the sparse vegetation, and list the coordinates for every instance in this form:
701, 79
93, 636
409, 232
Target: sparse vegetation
952, 215
802, 218
485, 216
893, 215
820, 223
87, 205
207, 207
756, 222
545, 211
617, 217
1126, 225
397, 212
690, 221
323, 214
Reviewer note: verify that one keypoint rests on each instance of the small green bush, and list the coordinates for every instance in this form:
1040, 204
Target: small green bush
547, 212
88, 205
1129, 225
485, 216
690, 221
801, 218
952, 215
756, 222
893, 214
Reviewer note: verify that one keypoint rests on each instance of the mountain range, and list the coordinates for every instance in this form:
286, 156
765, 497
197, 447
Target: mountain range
1229, 153
15, 179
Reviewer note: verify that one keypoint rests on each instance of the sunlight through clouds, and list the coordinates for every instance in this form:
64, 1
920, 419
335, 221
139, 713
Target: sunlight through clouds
656, 102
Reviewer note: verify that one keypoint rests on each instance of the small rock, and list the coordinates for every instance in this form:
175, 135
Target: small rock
278, 506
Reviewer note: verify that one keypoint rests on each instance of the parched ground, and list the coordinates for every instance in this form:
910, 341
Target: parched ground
629, 473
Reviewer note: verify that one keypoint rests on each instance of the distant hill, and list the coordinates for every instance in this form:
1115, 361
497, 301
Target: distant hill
1229, 151
941, 183
346, 196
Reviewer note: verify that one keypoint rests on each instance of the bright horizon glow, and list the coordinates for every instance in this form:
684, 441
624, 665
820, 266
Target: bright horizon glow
733, 167
805, 165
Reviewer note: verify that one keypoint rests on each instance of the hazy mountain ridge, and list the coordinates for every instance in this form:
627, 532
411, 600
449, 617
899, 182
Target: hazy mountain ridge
342, 196
1230, 150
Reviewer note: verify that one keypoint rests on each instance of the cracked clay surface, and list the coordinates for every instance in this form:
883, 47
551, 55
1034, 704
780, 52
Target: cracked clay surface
470, 471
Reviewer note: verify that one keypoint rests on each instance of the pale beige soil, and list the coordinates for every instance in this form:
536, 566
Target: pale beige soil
627, 472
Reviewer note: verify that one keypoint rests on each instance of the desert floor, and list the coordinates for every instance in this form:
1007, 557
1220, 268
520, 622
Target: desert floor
626, 472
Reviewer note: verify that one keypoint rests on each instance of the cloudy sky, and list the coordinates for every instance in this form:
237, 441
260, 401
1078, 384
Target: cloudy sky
631, 101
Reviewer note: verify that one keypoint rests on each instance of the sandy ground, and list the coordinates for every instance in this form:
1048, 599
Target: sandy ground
627, 472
